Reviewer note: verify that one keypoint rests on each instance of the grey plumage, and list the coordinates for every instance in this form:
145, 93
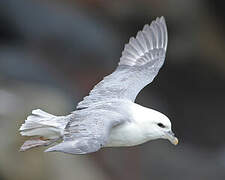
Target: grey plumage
88, 129
140, 62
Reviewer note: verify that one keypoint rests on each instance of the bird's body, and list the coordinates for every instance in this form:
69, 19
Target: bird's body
108, 116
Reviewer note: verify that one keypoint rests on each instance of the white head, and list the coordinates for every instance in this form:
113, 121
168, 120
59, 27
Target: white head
154, 124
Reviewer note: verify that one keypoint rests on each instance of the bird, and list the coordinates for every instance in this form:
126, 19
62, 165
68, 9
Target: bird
109, 115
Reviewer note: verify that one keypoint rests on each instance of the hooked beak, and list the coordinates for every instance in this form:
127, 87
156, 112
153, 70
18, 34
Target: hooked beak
171, 137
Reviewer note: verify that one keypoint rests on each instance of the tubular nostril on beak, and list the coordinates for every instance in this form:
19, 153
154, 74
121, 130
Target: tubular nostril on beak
171, 133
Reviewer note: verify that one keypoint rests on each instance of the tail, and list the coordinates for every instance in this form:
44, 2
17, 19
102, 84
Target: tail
46, 127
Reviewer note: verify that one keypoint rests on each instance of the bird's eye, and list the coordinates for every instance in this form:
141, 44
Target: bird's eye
161, 125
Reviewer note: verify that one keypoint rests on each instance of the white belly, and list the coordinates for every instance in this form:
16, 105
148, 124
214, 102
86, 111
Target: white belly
128, 134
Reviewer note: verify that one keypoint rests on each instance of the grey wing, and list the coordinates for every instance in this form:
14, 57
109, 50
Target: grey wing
140, 62
88, 129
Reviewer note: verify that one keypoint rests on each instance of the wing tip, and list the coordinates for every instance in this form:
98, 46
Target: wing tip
151, 37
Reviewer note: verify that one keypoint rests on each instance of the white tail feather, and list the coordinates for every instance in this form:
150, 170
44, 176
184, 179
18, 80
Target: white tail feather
47, 127
43, 124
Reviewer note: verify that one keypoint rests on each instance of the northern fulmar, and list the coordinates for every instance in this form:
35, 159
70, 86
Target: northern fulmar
108, 116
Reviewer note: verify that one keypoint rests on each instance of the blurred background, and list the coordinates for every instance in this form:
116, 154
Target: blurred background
53, 52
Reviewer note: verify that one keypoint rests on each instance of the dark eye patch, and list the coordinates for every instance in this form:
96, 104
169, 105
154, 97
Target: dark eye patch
161, 125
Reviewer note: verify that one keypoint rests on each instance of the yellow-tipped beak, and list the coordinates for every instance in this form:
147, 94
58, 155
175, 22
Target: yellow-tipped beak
175, 141
171, 137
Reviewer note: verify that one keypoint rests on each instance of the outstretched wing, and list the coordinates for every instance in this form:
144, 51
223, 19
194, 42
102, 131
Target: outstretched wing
140, 62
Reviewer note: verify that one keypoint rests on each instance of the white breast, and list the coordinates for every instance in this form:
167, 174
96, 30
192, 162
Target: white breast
128, 134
